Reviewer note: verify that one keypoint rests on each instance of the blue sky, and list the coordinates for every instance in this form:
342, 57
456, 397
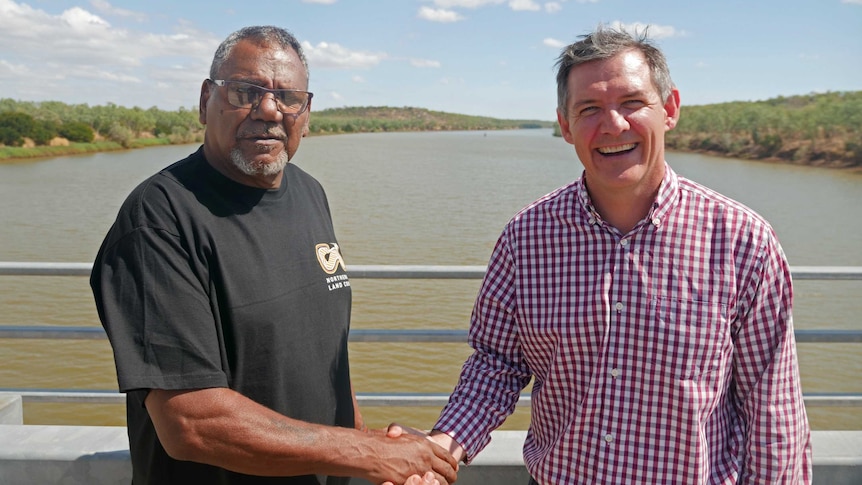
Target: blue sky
480, 57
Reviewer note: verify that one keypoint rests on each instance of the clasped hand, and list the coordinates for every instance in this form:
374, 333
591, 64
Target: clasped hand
441, 467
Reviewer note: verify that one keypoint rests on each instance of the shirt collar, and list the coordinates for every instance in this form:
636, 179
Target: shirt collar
667, 196
664, 202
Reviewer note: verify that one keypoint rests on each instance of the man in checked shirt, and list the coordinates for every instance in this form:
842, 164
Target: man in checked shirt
653, 313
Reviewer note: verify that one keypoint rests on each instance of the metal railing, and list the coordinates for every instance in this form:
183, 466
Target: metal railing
372, 335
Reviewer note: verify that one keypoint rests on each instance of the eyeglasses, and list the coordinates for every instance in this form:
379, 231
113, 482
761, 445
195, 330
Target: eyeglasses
244, 95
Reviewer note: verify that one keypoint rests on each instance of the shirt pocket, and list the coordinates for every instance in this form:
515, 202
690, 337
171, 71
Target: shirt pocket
690, 338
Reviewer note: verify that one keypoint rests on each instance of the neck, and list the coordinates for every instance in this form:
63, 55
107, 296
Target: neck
624, 212
623, 208
227, 168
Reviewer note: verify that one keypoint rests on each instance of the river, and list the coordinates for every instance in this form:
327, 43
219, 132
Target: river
403, 198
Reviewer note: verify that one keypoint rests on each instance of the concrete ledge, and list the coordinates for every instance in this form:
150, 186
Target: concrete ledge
69, 455
11, 409
99, 455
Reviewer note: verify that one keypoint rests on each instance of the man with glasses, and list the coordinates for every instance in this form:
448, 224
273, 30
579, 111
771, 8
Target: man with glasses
214, 286
652, 315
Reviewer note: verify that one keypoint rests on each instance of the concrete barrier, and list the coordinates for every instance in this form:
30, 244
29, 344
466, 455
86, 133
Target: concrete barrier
11, 409
99, 455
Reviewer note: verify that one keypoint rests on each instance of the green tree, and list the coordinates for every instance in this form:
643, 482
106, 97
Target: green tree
15, 126
77, 131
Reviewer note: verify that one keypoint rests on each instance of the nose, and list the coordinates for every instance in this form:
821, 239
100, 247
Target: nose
267, 109
614, 122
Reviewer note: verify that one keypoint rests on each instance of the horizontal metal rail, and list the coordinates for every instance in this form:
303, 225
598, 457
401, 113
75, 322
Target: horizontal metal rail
75, 396
377, 335
402, 271
58, 332
357, 271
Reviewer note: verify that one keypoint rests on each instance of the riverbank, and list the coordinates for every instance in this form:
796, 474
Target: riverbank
36, 153
832, 156
835, 153
819, 130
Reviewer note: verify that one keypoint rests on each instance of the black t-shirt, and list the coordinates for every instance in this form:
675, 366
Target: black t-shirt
203, 282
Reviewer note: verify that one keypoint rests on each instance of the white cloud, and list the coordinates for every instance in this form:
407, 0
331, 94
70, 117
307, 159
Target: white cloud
556, 44
358, 79
653, 31
111, 76
82, 20
78, 37
452, 80
336, 96
333, 56
853, 2
529, 5
7, 69
424, 63
108, 9
466, 3
439, 15
444, 7
78, 56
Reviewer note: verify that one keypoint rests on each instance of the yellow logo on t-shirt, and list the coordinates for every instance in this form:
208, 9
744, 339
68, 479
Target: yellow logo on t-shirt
329, 257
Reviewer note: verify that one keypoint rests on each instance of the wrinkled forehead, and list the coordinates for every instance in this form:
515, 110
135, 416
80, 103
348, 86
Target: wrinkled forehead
627, 71
265, 60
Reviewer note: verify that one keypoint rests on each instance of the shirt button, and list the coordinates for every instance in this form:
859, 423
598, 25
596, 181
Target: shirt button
591, 221
624, 242
609, 438
615, 373
619, 306
656, 221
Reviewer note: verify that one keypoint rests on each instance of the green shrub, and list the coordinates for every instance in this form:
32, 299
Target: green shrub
77, 131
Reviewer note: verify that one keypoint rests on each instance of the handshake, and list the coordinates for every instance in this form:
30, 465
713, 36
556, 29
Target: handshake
434, 452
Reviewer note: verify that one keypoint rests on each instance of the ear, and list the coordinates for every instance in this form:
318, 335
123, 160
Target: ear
671, 109
564, 127
205, 97
307, 119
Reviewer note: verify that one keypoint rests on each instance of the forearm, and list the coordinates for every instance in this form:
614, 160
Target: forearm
220, 427
359, 423
235, 433
449, 444
778, 447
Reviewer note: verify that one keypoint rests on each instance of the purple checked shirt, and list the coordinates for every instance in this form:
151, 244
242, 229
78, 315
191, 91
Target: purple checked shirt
662, 356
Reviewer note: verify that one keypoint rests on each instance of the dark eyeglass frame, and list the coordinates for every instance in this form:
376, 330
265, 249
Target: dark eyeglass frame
257, 93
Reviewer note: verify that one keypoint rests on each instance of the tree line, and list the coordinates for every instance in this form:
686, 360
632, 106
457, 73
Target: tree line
823, 129
42, 122
382, 118
818, 129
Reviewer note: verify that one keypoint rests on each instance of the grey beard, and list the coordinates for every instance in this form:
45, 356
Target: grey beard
250, 168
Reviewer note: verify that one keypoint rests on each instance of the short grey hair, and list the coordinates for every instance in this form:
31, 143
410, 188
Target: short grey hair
604, 43
262, 34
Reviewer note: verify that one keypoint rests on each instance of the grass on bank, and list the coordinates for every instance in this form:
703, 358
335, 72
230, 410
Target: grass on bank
10, 154
822, 129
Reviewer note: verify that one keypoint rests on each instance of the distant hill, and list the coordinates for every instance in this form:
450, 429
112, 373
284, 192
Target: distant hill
383, 118
39, 129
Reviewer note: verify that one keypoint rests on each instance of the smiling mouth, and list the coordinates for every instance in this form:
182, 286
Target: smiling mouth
263, 142
617, 149
263, 139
